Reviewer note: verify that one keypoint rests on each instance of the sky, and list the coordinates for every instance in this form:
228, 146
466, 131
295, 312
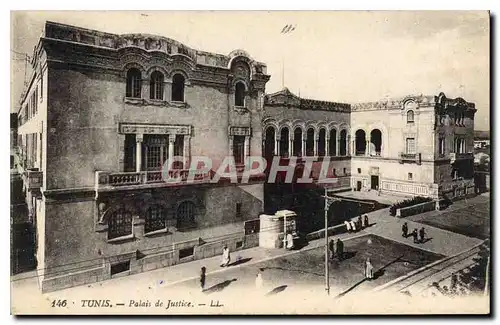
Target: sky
351, 56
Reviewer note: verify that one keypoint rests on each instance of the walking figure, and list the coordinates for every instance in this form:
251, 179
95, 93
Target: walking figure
366, 221
331, 247
368, 269
203, 277
226, 257
347, 226
360, 222
340, 249
422, 234
259, 281
404, 229
415, 236
353, 226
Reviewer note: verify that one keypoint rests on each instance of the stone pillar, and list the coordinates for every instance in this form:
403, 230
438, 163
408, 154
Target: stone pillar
231, 139
187, 151
367, 146
316, 140
327, 147
138, 152
247, 148
121, 161
303, 147
290, 146
337, 149
277, 146
171, 141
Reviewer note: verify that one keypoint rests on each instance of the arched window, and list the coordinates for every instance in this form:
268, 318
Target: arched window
120, 223
332, 150
410, 117
322, 143
239, 94
156, 85
297, 142
156, 217
360, 142
186, 215
343, 143
178, 82
269, 144
284, 142
376, 142
310, 142
133, 83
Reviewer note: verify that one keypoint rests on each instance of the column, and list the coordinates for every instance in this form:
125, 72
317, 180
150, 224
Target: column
247, 148
138, 152
171, 141
337, 149
368, 145
303, 148
186, 151
316, 140
327, 147
231, 139
277, 146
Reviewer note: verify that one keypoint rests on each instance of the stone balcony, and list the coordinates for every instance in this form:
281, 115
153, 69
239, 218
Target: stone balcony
460, 156
33, 180
109, 181
410, 158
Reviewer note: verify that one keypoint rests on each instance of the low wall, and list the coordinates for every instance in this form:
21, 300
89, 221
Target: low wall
334, 230
416, 209
146, 262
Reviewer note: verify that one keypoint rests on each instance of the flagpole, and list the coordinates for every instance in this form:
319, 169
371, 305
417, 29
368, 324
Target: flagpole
285, 31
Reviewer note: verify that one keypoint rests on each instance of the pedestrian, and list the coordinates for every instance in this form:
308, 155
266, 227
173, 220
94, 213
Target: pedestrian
340, 249
422, 234
415, 236
347, 226
203, 276
226, 257
366, 221
331, 247
405, 229
259, 282
360, 222
368, 269
353, 226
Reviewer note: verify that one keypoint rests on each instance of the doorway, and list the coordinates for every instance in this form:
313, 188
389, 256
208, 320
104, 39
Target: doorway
374, 183
358, 186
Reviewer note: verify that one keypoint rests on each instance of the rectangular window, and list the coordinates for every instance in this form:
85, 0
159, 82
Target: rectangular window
120, 267
239, 149
334, 172
410, 176
345, 171
359, 170
441, 145
178, 150
156, 151
129, 154
186, 252
410, 146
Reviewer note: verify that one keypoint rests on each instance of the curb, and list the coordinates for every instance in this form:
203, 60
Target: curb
422, 269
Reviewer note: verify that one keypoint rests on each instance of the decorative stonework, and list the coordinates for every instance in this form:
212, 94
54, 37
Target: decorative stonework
240, 130
288, 99
128, 128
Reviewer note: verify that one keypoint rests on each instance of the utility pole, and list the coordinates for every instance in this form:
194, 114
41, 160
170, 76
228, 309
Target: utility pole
328, 202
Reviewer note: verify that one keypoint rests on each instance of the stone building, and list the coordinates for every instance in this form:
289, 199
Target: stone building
411, 146
101, 114
417, 145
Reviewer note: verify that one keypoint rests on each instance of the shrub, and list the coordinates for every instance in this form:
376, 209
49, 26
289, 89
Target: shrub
407, 203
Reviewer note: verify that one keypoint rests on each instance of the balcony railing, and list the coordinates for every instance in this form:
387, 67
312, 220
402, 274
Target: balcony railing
177, 177
460, 156
410, 157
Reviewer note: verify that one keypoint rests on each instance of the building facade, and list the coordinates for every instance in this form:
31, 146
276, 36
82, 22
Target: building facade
101, 115
103, 112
